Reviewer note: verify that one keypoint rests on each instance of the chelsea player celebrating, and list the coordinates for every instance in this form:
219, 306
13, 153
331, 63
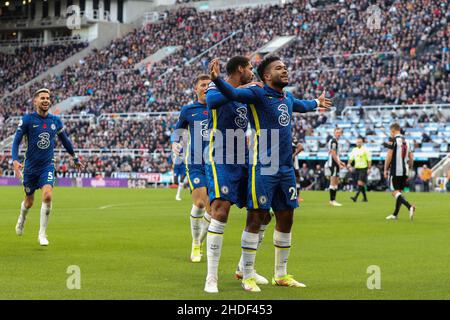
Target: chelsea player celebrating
272, 181
40, 129
194, 118
227, 171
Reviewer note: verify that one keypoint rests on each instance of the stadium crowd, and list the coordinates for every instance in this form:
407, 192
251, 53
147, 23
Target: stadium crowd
27, 63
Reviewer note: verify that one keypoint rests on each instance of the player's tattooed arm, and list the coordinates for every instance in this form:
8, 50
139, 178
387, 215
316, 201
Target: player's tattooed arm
387, 163
411, 160
21, 131
62, 135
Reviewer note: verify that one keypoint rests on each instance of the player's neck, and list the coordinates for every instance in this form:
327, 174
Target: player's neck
233, 81
41, 113
276, 88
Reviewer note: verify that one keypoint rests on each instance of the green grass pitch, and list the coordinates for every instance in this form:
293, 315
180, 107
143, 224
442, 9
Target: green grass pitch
135, 244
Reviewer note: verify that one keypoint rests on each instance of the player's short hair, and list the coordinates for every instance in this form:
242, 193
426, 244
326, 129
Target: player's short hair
40, 91
360, 137
338, 129
395, 126
201, 77
264, 64
235, 62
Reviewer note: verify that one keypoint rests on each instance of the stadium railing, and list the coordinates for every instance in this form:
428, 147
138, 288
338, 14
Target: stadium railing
406, 107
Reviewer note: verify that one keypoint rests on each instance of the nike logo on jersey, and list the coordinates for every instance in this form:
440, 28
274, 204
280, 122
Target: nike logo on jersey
35, 125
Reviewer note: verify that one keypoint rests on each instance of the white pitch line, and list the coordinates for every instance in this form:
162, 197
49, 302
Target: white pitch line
110, 206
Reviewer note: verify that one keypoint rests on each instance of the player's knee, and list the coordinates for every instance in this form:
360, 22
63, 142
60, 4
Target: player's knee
199, 203
219, 210
28, 203
47, 196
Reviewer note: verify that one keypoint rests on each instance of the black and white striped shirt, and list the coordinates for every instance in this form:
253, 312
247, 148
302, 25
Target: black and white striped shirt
400, 157
332, 145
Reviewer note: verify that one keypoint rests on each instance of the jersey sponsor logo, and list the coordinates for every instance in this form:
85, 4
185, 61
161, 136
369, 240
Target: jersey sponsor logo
284, 119
204, 131
241, 120
44, 141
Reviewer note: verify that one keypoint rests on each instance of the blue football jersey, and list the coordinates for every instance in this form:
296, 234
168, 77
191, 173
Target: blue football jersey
270, 114
40, 139
224, 115
194, 117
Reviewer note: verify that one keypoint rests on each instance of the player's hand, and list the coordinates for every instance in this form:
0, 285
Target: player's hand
214, 69
254, 83
78, 163
18, 169
342, 165
176, 148
324, 103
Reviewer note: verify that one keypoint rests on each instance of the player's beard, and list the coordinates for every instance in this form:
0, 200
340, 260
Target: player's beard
278, 83
44, 109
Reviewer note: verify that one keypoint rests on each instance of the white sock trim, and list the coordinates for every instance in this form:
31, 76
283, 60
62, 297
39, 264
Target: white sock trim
197, 212
249, 240
216, 226
281, 239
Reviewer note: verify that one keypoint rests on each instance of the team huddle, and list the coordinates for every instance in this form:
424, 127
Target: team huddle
224, 164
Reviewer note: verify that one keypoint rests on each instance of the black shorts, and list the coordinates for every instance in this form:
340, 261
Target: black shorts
398, 182
332, 171
361, 175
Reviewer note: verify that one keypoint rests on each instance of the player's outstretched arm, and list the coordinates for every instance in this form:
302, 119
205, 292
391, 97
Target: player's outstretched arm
303, 106
244, 95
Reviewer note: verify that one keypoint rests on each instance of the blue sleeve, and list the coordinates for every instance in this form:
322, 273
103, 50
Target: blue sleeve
246, 95
182, 123
215, 98
66, 143
303, 106
22, 130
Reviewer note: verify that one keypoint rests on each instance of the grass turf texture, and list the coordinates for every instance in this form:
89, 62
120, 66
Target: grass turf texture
135, 244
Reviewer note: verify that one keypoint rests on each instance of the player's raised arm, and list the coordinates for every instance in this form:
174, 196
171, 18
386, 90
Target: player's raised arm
244, 95
215, 98
22, 130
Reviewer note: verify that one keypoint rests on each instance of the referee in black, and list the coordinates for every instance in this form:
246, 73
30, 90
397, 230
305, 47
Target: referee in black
363, 161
